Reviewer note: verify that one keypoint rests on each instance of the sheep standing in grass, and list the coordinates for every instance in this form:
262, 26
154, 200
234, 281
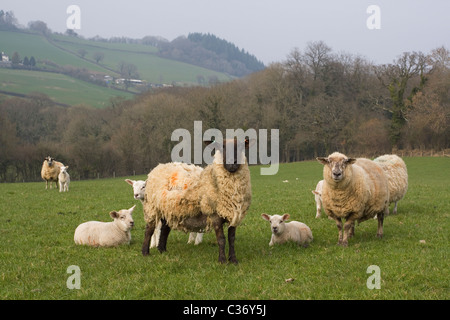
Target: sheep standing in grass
354, 190
283, 231
221, 194
395, 169
318, 198
64, 179
106, 234
50, 171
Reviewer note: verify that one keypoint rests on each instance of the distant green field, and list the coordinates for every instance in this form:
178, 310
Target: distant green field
151, 67
37, 226
60, 88
63, 50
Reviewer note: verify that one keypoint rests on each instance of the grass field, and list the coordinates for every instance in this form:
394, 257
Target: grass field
37, 226
60, 88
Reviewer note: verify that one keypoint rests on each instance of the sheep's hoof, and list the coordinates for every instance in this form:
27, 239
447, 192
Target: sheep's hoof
145, 252
380, 235
234, 261
222, 260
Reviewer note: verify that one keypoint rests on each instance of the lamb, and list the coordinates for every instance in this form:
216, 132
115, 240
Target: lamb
139, 193
50, 171
318, 198
106, 234
64, 179
283, 231
354, 190
221, 194
395, 170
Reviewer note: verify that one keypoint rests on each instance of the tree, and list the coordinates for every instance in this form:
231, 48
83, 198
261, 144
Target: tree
32, 62
26, 62
99, 56
396, 78
82, 52
15, 59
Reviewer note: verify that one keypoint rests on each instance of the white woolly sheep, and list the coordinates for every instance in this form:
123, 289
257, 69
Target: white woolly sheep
106, 234
64, 179
397, 175
50, 171
318, 198
283, 231
139, 193
221, 194
354, 190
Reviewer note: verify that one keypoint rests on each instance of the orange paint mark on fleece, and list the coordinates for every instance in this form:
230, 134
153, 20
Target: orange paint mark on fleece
173, 179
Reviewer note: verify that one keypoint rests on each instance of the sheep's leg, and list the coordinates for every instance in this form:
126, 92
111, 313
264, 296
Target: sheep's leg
349, 227
339, 226
165, 230
380, 218
394, 211
149, 229
231, 252
220, 236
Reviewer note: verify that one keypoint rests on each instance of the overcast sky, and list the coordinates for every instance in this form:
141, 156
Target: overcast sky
269, 29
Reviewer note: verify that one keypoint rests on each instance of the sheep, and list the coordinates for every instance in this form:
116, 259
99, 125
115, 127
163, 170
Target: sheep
139, 193
395, 170
221, 194
283, 231
106, 234
64, 179
318, 198
50, 171
354, 190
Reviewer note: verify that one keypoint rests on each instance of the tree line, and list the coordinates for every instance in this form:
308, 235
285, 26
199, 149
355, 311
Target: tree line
319, 100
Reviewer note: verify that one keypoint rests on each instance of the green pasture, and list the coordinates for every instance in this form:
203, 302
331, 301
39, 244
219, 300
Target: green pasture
60, 88
37, 248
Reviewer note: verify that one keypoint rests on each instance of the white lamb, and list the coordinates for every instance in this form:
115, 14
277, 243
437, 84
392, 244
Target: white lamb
139, 193
318, 198
283, 231
106, 234
395, 169
63, 179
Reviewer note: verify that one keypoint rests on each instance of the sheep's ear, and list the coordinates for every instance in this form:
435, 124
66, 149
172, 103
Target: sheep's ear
350, 161
314, 192
130, 182
323, 160
265, 216
114, 214
249, 143
286, 216
132, 208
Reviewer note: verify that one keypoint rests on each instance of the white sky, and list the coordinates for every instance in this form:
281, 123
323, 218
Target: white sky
269, 29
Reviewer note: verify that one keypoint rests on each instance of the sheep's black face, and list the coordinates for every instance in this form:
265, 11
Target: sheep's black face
233, 154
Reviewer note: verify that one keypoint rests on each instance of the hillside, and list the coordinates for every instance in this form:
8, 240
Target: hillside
72, 59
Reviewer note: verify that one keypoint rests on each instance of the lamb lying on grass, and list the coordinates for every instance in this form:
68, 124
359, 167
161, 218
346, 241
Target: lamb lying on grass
106, 234
283, 231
